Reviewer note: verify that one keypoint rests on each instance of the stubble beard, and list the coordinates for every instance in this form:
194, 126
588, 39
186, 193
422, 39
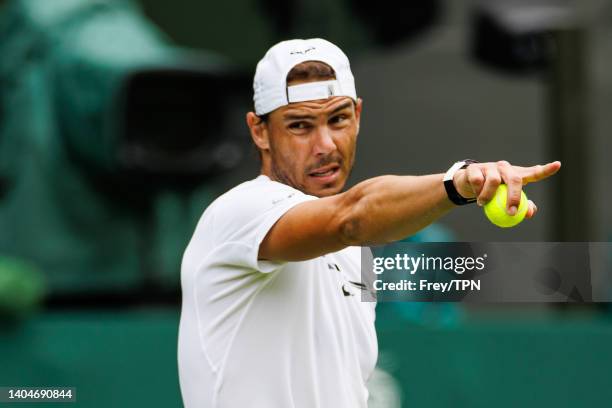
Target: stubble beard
282, 175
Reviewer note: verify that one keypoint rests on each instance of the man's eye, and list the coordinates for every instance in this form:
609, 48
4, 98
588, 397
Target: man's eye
298, 125
338, 119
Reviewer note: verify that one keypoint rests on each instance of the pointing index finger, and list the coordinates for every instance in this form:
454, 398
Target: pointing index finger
539, 172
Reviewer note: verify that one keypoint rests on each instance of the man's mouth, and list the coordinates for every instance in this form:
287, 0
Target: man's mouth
325, 171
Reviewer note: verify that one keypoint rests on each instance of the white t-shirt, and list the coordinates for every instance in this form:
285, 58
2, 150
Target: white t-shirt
263, 334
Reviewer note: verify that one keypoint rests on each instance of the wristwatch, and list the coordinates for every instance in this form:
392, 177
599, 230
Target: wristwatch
451, 191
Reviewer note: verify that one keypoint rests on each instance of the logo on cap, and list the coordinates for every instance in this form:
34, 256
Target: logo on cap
303, 52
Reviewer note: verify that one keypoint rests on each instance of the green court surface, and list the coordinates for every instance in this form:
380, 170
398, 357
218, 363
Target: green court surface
114, 359
128, 359
502, 362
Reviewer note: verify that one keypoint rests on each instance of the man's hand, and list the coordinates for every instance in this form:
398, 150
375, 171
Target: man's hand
482, 179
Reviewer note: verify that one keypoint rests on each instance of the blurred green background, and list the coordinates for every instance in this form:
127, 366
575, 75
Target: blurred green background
120, 121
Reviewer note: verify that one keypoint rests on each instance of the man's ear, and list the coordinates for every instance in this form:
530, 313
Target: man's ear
259, 131
358, 108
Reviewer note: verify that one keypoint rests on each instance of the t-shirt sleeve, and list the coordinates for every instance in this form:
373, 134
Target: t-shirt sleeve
243, 219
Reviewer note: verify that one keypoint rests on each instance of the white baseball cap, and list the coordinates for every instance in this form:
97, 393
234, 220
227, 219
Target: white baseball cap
270, 82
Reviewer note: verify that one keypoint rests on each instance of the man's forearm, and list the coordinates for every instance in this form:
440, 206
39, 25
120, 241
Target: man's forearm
388, 208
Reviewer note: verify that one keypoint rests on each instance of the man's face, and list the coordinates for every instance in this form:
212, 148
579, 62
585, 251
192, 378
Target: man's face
312, 144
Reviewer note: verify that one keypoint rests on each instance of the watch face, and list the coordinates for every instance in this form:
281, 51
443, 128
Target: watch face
452, 193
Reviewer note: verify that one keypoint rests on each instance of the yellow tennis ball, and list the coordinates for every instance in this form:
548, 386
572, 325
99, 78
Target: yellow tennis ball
495, 210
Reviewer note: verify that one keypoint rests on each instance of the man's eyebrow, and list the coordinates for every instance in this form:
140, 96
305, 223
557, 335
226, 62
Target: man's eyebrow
297, 116
341, 107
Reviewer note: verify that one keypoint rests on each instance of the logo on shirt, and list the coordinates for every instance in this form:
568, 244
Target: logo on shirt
348, 287
278, 200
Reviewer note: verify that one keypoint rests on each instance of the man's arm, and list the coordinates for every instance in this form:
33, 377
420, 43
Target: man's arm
388, 208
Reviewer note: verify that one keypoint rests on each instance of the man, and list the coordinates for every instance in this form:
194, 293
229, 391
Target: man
270, 315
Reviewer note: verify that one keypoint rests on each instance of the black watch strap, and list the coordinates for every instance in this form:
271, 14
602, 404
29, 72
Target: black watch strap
451, 191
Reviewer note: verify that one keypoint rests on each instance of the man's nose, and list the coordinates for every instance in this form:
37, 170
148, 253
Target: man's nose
324, 142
